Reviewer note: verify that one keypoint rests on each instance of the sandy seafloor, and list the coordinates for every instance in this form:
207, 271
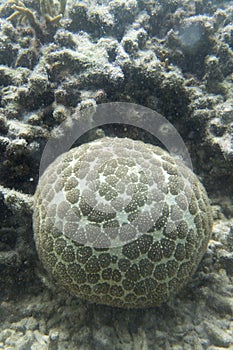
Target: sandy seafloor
175, 57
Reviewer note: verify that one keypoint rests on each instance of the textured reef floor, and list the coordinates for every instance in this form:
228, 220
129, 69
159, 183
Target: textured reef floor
175, 57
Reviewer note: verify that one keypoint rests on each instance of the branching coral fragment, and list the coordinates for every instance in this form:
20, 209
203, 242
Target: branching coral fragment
62, 6
23, 13
48, 11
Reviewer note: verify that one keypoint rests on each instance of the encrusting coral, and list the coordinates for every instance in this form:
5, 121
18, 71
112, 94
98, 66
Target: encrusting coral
120, 222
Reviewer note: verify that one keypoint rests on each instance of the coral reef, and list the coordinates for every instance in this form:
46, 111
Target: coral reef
103, 51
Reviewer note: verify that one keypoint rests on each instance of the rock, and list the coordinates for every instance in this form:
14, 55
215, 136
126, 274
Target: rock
218, 336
